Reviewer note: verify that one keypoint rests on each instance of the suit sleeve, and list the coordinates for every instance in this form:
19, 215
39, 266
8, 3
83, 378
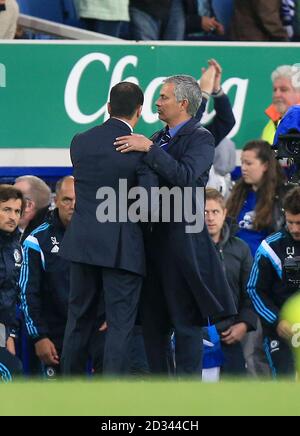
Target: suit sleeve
246, 310
259, 287
201, 110
148, 179
195, 161
30, 284
75, 148
223, 121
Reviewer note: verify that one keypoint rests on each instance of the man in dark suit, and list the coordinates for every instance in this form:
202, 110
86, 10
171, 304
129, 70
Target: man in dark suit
186, 283
106, 254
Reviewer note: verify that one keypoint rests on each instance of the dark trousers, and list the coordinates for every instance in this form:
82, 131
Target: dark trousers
279, 355
112, 28
167, 304
121, 290
234, 361
10, 366
137, 364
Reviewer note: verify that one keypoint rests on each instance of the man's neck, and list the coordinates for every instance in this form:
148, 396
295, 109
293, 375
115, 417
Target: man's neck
6, 234
22, 226
216, 238
129, 123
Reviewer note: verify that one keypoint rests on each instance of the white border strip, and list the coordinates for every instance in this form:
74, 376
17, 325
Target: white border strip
46, 157
150, 43
35, 157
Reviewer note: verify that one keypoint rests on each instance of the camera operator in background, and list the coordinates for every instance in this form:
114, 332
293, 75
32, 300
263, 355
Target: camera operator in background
274, 279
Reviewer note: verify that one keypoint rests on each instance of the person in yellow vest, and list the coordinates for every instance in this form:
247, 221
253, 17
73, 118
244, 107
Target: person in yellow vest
286, 93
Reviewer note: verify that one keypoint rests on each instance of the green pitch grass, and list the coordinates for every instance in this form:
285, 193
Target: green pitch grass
146, 398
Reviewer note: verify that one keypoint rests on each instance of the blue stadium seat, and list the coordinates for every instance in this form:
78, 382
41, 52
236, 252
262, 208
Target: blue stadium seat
70, 14
24, 6
60, 11
48, 9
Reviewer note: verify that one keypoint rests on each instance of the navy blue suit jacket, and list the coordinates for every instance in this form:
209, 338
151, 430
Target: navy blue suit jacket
186, 164
97, 164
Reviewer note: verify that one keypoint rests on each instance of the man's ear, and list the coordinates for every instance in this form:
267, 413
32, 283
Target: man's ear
30, 205
109, 108
185, 104
139, 111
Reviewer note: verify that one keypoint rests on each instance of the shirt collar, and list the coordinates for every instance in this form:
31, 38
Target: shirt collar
125, 122
174, 130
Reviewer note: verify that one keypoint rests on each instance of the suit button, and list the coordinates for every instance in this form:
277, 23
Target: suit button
155, 166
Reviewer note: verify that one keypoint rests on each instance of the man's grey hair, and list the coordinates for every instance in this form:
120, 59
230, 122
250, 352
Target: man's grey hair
291, 72
39, 191
187, 88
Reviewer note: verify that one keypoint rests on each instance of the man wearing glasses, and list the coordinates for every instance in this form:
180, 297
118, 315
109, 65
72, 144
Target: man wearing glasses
45, 280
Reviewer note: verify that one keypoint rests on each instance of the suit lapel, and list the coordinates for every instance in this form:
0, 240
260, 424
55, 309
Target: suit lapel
185, 130
173, 141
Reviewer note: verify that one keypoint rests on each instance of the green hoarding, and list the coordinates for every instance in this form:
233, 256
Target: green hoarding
50, 91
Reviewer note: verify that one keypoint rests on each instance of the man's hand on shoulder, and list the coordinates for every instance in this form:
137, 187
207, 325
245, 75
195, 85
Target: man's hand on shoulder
133, 142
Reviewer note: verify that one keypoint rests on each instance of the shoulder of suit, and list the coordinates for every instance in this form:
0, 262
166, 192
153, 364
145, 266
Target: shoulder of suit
198, 126
194, 125
87, 132
201, 130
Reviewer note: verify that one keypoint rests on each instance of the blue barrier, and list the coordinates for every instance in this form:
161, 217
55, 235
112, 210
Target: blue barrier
60, 11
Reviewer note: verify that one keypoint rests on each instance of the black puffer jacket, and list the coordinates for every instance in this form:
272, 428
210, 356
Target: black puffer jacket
10, 266
45, 282
237, 261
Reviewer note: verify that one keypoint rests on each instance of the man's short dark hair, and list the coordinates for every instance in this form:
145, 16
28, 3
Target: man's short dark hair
291, 201
8, 192
125, 98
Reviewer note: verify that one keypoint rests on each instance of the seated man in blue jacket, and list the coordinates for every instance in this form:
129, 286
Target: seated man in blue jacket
45, 280
271, 285
11, 206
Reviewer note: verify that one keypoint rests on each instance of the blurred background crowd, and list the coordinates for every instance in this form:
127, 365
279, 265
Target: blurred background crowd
208, 20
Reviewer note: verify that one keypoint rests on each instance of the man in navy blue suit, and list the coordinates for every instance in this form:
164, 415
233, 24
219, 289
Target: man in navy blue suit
107, 255
186, 283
